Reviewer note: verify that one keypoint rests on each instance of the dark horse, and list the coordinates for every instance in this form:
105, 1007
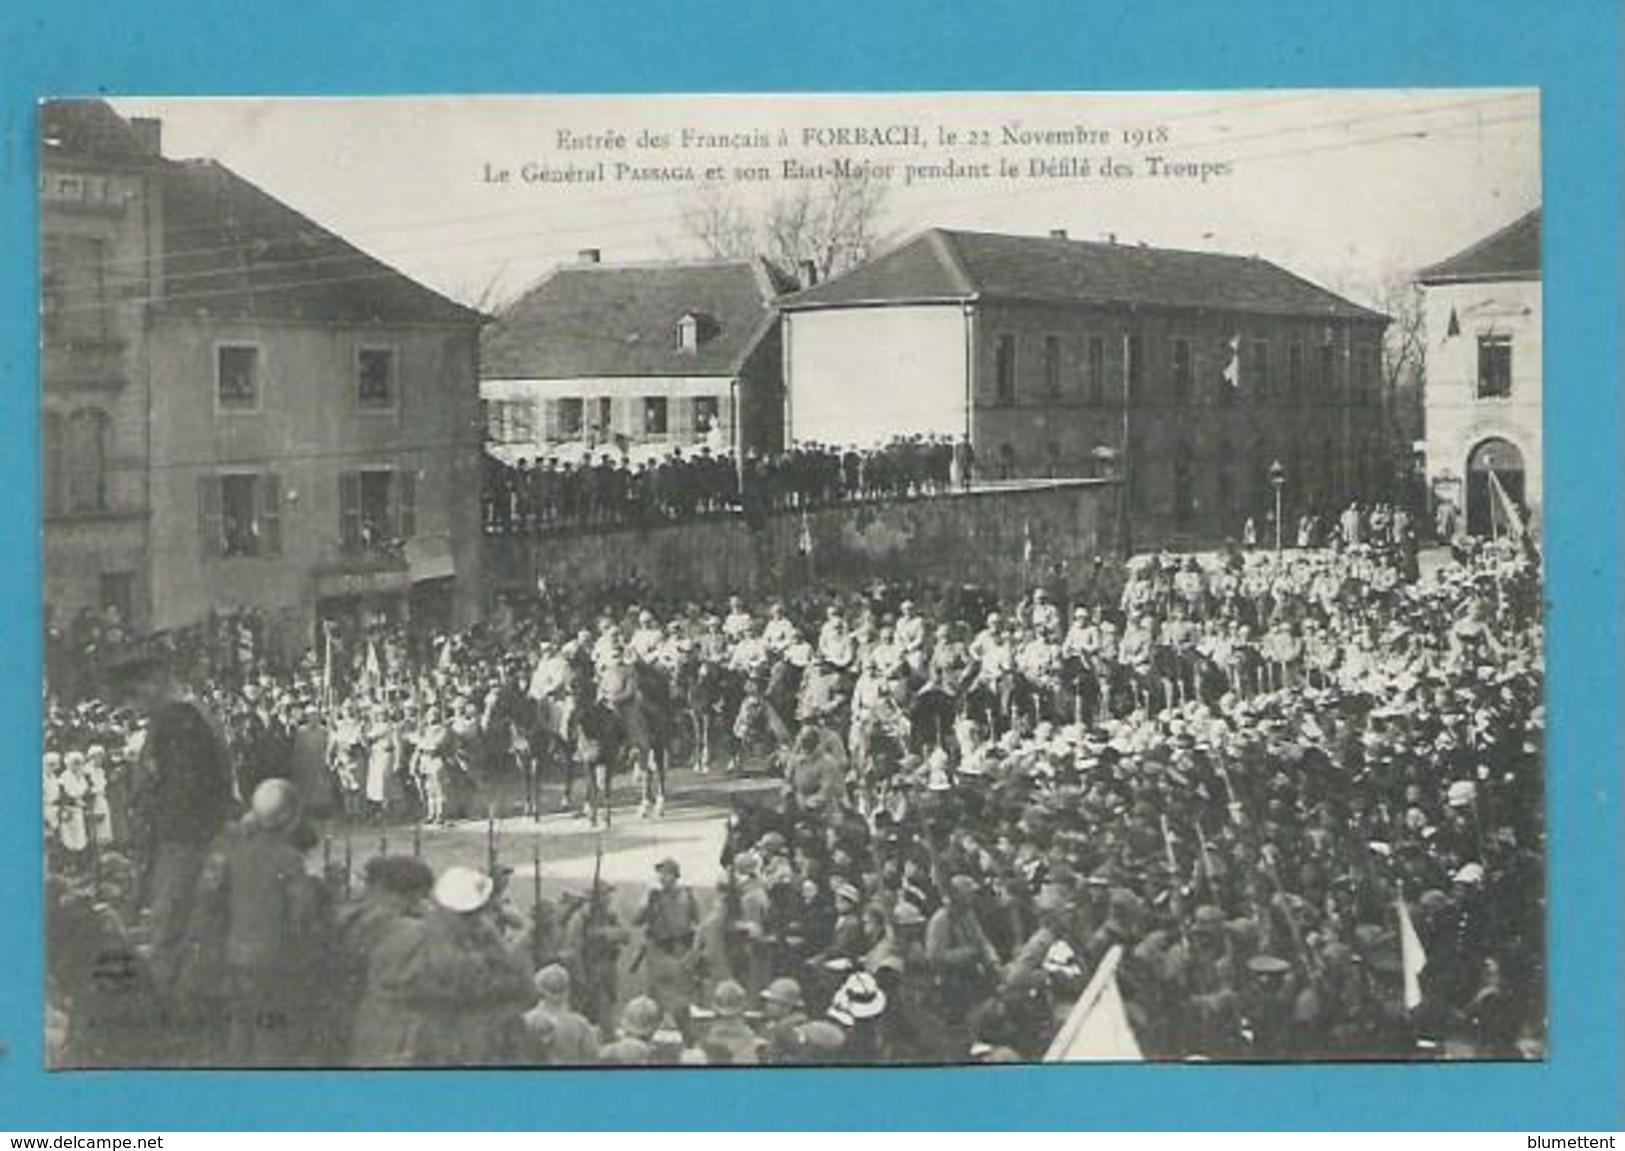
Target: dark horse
639, 698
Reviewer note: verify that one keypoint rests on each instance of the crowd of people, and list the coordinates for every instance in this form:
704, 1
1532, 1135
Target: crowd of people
550, 494
1300, 794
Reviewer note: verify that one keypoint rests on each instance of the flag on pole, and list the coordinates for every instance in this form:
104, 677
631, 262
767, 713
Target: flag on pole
1232, 361
445, 661
804, 544
1097, 1029
372, 674
1502, 509
1412, 959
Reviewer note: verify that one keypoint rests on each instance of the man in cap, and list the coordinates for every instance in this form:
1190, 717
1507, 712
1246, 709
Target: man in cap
670, 919
562, 1037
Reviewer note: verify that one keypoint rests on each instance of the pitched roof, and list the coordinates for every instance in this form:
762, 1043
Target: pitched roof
594, 320
88, 129
1511, 253
232, 250
940, 265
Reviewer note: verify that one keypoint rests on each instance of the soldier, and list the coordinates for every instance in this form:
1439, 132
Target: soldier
634, 1046
785, 1011
670, 920
728, 1038
593, 939
562, 1037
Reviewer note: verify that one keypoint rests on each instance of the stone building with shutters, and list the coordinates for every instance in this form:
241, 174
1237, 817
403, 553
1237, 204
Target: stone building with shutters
637, 359
1186, 374
1482, 400
309, 428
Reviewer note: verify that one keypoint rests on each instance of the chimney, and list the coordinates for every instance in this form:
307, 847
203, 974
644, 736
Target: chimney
1057, 233
149, 134
808, 271
589, 256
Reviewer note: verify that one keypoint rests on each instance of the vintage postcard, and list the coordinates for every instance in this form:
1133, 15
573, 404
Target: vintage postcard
929, 579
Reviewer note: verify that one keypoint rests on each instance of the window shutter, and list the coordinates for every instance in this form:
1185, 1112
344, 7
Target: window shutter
406, 504
270, 514
350, 509
210, 528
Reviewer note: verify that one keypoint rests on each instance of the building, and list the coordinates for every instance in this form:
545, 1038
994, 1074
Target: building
305, 439
1187, 374
1483, 390
638, 357
100, 220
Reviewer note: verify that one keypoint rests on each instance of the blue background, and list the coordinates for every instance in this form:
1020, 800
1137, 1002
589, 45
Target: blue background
1572, 50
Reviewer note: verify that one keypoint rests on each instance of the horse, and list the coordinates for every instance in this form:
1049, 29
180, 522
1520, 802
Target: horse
510, 719
705, 691
996, 704
595, 746
639, 697
931, 715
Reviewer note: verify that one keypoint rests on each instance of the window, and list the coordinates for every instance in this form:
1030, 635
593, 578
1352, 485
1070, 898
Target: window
1261, 369
572, 416
1182, 371
375, 377
89, 433
1367, 365
707, 413
1262, 496
117, 593
1096, 382
688, 333
1184, 486
1294, 369
1494, 367
1328, 368
1004, 370
73, 288
1052, 460
511, 421
239, 515
1052, 366
1007, 462
1225, 485
1134, 363
377, 509
54, 482
655, 413
237, 376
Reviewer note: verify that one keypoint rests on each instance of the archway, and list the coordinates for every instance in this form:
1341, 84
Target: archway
1502, 459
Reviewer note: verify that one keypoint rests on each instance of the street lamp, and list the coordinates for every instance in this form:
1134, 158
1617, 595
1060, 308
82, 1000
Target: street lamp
1277, 481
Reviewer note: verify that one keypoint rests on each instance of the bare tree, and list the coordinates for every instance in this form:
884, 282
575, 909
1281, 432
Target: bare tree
716, 221
834, 224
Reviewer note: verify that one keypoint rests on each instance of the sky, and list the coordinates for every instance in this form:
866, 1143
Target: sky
1348, 188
